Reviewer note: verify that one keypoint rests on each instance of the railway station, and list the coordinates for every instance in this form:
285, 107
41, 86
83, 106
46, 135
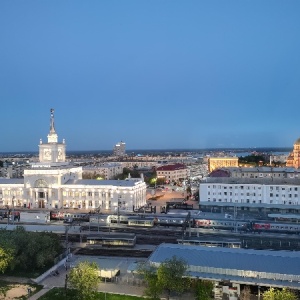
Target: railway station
263, 268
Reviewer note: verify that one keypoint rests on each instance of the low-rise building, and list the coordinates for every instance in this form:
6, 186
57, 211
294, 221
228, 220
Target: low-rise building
235, 266
173, 172
105, 171
222, 162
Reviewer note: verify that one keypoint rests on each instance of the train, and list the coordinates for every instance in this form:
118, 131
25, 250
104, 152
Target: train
204, 223
149, 221
69, 217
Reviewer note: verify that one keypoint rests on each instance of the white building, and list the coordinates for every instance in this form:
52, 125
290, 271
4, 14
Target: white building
250, 194
106, 170
119, 149
54, 183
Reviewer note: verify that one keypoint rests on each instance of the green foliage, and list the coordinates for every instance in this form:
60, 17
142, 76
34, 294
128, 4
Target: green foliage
203, 290
6, 257
149, 273
29, 251
274, 294
170, 275
85, 279
252, 159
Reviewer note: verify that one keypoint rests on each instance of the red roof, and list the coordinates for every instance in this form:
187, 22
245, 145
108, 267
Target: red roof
171, 167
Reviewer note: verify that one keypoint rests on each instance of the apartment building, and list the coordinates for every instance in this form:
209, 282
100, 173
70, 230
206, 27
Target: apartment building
173, 172
250, 194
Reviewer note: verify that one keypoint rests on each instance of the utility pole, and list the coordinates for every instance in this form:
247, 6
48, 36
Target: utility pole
13, 210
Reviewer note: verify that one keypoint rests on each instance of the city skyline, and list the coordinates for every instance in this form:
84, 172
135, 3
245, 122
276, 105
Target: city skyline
156, 75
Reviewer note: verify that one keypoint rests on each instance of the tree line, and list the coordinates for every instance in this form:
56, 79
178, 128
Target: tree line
21, 250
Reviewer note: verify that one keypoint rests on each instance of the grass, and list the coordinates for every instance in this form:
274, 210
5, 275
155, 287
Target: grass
59, 294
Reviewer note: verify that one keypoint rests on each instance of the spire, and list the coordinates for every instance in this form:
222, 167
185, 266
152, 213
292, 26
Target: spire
52, 136
52, 128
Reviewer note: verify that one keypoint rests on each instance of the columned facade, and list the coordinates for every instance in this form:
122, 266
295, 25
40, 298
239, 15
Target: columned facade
52, 183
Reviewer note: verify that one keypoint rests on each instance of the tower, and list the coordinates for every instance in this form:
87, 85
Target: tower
52, 151
293, 159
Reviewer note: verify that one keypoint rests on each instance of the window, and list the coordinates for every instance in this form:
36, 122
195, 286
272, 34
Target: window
271, 194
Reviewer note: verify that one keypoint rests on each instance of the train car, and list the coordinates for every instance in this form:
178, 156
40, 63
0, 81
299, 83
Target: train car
140, 221
275, 227
226, 224
177, 221
3, 213
121, 219
77, 217
56, 215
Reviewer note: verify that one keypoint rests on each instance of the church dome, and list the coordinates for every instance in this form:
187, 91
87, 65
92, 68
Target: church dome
297, 142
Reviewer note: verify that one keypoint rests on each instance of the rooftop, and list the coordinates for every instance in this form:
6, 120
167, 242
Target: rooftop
171, 167
123, 183
261, 181
244, 265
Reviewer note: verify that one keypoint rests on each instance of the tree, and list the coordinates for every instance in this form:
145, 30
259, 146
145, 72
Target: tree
85, 279
170, 275
149, 274
274, 294
203, 290
6, 256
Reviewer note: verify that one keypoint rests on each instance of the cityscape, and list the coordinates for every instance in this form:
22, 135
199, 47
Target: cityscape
150, 149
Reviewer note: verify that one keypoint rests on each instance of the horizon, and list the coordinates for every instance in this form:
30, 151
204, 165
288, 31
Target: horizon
248, 149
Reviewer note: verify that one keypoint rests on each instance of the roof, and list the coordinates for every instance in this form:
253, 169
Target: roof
12, 181
125, 183
219, 173
260, 170
248, 181
283, 262
297, 142
171, 167
271, 268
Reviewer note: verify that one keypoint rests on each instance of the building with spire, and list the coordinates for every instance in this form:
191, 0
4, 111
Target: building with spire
293, 159
54, 183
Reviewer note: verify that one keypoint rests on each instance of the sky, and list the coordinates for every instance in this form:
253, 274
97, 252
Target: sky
159, 74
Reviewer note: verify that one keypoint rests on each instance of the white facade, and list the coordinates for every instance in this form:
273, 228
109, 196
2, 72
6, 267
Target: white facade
54, 183
274, 194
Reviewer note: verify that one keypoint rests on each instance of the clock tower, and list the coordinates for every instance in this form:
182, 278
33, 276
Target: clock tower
52, 151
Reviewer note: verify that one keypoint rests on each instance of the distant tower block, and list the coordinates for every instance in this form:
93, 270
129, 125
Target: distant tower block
119, 149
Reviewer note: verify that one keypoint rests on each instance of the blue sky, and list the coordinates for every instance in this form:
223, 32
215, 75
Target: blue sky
156, 74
